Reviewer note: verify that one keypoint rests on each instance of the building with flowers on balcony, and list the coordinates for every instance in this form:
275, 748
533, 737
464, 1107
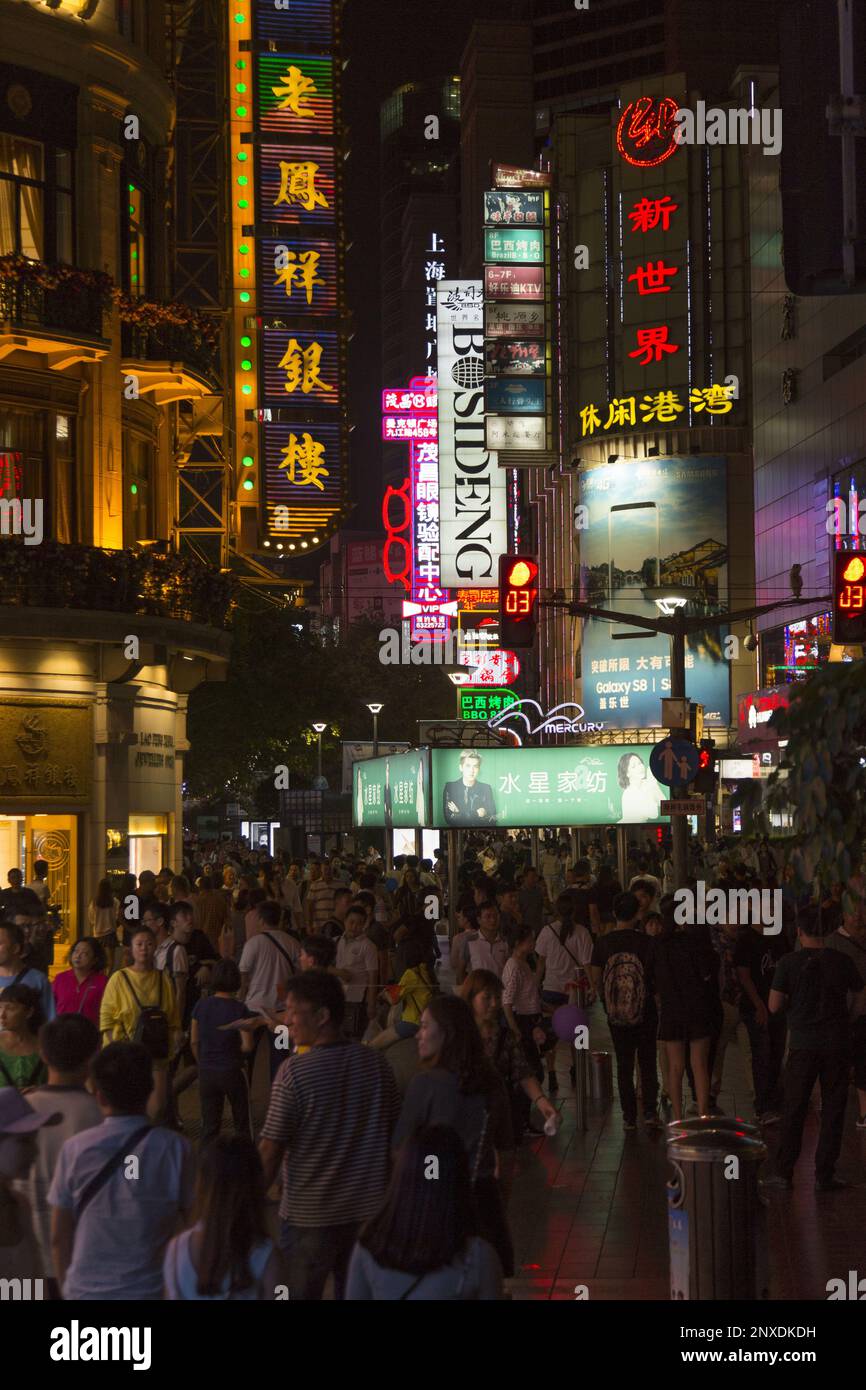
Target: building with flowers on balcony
115, 591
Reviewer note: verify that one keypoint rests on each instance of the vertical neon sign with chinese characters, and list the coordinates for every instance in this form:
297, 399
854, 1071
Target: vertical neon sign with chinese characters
291, 348
427, 606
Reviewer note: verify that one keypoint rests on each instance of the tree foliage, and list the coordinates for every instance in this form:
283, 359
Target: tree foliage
821, 780
282, 677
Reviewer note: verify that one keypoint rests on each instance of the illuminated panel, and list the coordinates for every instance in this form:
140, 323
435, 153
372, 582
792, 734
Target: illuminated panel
296, 95
396, 428
302, 336
304, 487
244, 349
308, 23
300, 368
430, 600
296, 185
297, 277
849, 598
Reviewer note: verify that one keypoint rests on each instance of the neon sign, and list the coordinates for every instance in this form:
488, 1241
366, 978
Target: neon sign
646, 133
394, 535
537, 722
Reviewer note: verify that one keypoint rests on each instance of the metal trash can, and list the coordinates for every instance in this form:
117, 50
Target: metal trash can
716, 1215
697, 1124
601, 1078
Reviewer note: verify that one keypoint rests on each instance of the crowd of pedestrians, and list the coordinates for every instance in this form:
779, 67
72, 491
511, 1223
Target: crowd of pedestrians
401, 1073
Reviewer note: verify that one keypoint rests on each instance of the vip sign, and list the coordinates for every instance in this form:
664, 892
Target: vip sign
472, 488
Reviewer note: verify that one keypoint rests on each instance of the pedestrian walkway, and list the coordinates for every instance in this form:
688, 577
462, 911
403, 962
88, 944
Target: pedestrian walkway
590, 1209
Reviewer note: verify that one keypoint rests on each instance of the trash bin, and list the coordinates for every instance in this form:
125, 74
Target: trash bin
716, 1215
601, 1078
696, 1124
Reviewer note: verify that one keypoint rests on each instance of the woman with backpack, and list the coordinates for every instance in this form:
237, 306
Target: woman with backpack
21, 1017
564, 950
139, 1005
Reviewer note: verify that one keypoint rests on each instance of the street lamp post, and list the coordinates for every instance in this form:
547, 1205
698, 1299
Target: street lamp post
375, 710
319, 730
675, 625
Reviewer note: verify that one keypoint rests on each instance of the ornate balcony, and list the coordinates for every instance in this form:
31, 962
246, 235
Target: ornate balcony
53, 311
173, 351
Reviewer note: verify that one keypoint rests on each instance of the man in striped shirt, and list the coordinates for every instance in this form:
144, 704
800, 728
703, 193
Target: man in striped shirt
330, 1120
319, 902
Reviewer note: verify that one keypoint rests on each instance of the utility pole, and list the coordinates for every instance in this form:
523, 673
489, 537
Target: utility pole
677, 626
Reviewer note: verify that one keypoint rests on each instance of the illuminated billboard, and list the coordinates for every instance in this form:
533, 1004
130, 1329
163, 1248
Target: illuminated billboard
472, 487
524, 787
649, 524
289, 334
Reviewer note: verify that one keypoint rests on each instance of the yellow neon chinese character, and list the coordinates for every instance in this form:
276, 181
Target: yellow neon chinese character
298, 185
293, 88
305, 267
716, 400
620, 411
589, 419
663, 407
302, 367
304, 461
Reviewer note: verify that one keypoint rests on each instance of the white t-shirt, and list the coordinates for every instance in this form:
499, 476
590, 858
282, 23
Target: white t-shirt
267, 967
559, 966
359, 956
179, 957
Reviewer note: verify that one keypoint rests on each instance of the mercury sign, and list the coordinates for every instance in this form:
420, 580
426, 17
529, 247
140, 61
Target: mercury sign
472, 488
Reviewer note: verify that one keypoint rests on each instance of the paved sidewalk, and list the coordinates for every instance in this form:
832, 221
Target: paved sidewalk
591, 1208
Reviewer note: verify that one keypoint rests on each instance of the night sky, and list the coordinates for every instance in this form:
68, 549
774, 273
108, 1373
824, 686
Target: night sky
386, 45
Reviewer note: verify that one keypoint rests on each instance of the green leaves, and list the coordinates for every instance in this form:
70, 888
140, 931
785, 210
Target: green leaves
822, 778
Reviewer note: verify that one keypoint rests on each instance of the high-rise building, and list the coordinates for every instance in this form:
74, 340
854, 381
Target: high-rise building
419, 135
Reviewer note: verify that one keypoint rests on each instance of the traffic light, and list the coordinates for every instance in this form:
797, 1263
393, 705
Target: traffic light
849, 597
518, 601
705, 778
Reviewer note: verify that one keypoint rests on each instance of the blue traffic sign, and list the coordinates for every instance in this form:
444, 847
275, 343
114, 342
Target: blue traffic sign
675, 762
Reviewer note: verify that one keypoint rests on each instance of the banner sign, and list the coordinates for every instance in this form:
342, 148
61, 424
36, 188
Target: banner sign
527, 787
393, 792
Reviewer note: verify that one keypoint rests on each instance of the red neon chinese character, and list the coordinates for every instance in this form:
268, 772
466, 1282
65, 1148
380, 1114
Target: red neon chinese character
647, 213
653, 344
651, 277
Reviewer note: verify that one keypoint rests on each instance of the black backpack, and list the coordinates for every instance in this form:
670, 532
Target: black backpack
152, 1028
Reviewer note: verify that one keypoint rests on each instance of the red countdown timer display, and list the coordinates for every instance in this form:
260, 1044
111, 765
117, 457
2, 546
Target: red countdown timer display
646, 133
518, 600
849, 597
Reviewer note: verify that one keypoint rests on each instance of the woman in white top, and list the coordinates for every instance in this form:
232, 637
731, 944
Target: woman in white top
563, 947
641, 793
227, 1255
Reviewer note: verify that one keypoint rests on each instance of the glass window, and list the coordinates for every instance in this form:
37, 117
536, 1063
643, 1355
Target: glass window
37, 462
138, 469
136, 241
36, 200
22, 212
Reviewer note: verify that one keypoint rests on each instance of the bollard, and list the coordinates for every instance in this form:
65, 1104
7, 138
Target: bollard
716, 1215
581, 1063
601, 1078
697, 1124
